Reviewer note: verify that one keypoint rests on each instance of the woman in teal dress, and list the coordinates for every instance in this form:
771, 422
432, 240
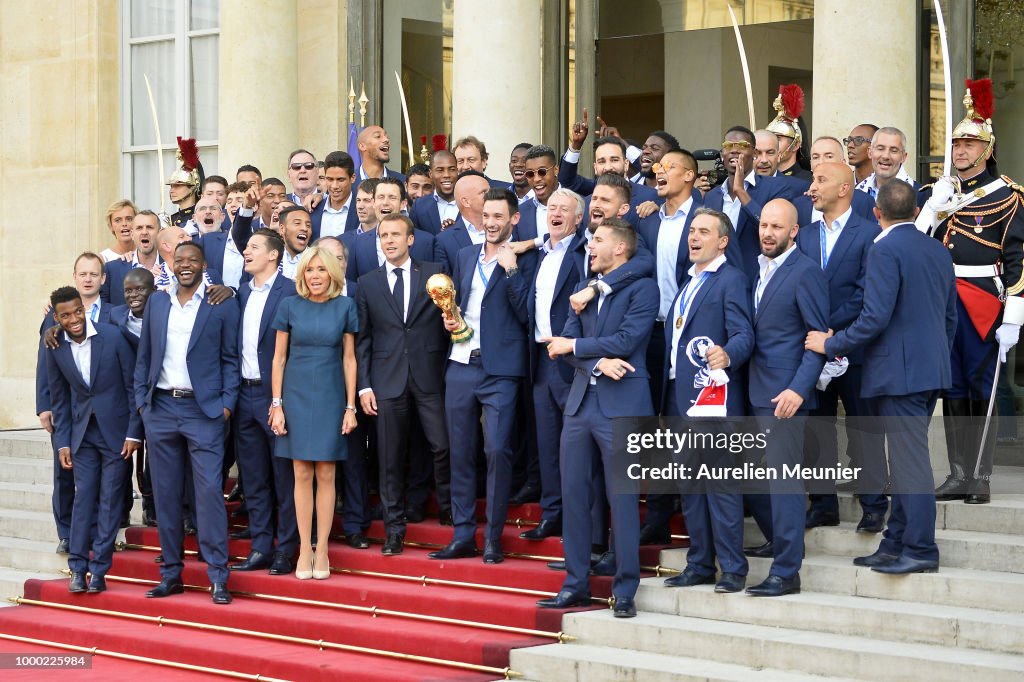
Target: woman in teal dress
314, 391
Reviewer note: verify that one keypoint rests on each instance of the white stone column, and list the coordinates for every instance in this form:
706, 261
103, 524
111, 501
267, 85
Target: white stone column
865, 67
258, 107
496, 69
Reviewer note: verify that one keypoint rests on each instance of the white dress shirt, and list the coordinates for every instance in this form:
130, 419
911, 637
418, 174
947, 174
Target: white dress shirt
81, 353
483, 270
870, 185
251, 318
670, 233
406, 269
767, 268
180, 321
476, 236
732, 207
289, 264
93, 311
332, 222
685, 301
832, 233
446, 210
547, 278
134, 324
234, 264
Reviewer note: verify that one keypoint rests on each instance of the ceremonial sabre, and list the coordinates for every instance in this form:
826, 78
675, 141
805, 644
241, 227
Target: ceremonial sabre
947, 92
988, 417
743, 62
405, 114
159, 148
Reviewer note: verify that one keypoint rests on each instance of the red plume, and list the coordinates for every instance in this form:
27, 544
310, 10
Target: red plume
792, 100
440, 142
423, 140
981, 92
189, 153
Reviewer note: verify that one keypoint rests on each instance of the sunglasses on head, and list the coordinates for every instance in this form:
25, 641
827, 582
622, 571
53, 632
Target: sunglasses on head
309, 165
540, 172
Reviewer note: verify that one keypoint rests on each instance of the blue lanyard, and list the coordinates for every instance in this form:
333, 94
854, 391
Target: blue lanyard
484, 277
824, 253
684, 300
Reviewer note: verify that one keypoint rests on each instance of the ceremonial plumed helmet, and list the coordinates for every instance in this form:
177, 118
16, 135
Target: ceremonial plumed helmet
977, 124
188, 163
789, 105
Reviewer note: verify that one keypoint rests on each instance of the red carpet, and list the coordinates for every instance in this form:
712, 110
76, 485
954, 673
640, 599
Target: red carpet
464, 591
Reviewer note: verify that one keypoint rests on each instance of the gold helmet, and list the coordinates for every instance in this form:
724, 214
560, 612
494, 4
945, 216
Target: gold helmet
188, 165
790, 105
977, 124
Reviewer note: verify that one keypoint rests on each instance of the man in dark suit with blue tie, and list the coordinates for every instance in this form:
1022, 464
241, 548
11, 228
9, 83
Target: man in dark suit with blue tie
909, 295
484, 374
401, 350
437, 211
790, 299
96, 431
839, 242
365, 252
743, 195
710, 334
269, 480
607, 345
186, 386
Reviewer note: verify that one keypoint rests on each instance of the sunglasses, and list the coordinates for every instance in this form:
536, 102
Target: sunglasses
540, 172
856, 141
309, 165
739, 146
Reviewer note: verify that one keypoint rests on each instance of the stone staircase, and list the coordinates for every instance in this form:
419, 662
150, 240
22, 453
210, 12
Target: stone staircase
964, 622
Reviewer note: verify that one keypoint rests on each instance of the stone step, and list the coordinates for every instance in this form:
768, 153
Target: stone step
28, 525
813, 653
12, 582
578, 662
957, 548
996, 591
1005, 514
29, 470
951, 626
26, 444
27, 496
31, 555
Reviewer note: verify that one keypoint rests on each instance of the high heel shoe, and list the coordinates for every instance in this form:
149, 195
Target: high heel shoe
321, 574
304, 574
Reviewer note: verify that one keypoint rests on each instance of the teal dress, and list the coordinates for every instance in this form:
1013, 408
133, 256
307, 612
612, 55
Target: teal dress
314, 381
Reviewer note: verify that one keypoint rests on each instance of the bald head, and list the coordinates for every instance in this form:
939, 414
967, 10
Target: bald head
469, 196
374, 144
826, 149
831, 188
766, 155
778, 227
168, 239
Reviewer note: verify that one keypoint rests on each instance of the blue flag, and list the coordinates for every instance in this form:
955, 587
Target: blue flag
353, 147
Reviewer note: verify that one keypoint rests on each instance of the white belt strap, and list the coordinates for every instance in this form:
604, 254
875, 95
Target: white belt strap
975, 271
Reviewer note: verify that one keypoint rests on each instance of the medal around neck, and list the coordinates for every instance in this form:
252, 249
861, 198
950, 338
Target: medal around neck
441, 290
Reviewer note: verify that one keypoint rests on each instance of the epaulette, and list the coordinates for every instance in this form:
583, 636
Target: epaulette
1019, 189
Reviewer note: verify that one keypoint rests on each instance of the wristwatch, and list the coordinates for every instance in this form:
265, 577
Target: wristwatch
511, 272
276, 402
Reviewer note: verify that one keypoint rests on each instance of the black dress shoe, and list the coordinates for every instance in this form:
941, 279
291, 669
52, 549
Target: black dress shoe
776, 586
97, 584
816, 517
236, 494
357, 541
565, 600
879, 558
650, 535
978, 492
445, 518
158, 559
63, 547
458, 549
689, 578
166, 588
765, 551
624, 607
905, 565
605, 565
871, 523
528, 493
149, 518
281, 565
493, 553
414, 515
77, 583
395, 544
189, 527
219, 593
951, 489
544, 529
556, 565
244, 534
256, 561
730, 582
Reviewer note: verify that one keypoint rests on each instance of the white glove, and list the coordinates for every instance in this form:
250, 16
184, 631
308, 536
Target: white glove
943, 191
831, 370
1007, 335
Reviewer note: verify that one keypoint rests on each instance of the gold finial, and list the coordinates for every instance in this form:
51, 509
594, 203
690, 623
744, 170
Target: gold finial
362, 106
424, 153
969, 104
777, 104
351, 102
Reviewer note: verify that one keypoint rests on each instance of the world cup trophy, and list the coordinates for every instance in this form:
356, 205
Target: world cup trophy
441, 290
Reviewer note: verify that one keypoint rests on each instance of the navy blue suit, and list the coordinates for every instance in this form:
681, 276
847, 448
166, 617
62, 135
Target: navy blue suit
424, 214
362, 256
119, 318
569, 177
845, 270
794, 302
861, 202
527, 227
113, 288
719, 311
909, 295
316, 216
93, 420
63, 479
745, 246
191, 427
619, 327
448, 244
269, 480
489, 383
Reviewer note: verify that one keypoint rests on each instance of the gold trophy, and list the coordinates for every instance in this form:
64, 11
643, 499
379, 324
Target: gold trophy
441, 290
